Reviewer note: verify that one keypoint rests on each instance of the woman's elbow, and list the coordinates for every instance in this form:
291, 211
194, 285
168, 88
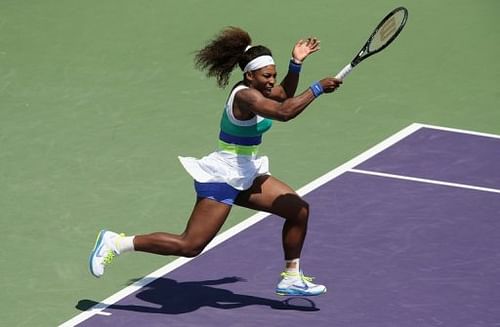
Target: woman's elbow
284, 117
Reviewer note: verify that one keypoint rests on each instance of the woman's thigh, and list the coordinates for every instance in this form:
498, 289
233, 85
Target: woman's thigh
205, 221
272, 195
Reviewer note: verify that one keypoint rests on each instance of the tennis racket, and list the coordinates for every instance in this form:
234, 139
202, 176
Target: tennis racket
383, 35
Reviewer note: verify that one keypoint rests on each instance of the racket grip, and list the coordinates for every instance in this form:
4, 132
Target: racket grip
344, 72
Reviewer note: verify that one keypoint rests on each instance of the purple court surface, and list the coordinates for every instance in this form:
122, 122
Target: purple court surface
406, 234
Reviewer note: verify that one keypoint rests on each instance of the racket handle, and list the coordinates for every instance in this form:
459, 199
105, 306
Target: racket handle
344, 72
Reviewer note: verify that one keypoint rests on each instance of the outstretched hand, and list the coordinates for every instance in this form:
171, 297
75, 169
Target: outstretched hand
330, 84
303, 48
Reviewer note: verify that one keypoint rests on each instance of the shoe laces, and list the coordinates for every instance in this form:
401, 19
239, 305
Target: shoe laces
286, 274
109, 257
111, 254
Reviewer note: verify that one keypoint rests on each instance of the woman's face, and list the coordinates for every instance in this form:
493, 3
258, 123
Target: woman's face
263, 79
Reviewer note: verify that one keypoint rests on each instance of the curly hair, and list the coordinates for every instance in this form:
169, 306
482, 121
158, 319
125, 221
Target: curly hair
220, 56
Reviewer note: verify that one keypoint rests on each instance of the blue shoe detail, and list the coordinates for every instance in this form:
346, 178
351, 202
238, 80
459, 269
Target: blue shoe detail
97, 248
296, 284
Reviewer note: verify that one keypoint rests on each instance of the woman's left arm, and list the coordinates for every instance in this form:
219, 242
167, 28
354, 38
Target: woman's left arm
301, 50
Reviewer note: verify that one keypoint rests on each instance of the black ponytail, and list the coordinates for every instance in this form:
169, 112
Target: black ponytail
229, 48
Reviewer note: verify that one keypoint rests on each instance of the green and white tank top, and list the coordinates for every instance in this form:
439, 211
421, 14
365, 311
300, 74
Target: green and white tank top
236, 161
241, 137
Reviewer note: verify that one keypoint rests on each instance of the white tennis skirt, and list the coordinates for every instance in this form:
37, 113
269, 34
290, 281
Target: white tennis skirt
239, 171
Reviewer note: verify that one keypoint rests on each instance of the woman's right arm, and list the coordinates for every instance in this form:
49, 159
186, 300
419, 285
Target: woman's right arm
251, 100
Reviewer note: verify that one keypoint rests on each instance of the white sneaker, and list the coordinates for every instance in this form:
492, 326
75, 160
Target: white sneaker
298, 284
103, 252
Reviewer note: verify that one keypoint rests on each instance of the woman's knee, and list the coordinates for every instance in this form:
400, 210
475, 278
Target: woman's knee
295, 208
303, 212
190, 248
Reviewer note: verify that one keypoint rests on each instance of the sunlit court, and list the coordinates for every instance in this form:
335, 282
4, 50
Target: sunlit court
324, 163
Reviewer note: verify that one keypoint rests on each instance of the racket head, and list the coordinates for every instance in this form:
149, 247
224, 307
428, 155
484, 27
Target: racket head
383, 35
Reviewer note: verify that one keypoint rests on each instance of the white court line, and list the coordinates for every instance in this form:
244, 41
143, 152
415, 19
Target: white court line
251, 221
425, 180
103, 313
461, 131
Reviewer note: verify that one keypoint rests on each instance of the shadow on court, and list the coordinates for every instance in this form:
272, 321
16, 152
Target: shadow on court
168, 296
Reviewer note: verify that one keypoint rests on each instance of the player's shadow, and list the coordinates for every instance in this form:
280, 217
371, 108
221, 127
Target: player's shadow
167, 296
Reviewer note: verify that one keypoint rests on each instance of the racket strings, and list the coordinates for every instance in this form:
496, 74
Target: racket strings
387, 31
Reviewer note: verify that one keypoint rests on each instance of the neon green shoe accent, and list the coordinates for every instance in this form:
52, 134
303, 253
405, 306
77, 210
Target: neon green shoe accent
291, 274
108, 258
296, 284
111, 255
117, 238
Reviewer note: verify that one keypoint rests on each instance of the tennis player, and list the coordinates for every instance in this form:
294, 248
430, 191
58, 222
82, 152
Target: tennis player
235, 174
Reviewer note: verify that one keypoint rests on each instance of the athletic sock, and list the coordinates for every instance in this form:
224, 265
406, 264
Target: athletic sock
125, 244
292, 270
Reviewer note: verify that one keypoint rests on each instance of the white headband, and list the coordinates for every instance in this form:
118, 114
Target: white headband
258, 63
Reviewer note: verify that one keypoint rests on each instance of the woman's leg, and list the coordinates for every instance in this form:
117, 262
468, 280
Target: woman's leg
271, 195
206, 219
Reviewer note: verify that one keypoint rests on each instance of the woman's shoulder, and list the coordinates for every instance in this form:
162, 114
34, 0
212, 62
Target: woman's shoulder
238, 87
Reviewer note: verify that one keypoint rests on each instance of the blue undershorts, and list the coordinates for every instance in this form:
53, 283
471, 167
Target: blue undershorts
220, 192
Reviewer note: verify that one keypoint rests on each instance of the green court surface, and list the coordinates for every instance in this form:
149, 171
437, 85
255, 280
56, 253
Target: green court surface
98, 98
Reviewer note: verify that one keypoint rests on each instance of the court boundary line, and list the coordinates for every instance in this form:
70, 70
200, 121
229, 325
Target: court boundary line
461, 131
252, 220
425, 180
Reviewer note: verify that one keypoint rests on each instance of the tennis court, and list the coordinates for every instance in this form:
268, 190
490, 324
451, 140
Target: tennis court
404, 234
97, 100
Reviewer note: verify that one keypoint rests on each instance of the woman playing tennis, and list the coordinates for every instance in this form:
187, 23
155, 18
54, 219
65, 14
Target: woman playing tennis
235, 174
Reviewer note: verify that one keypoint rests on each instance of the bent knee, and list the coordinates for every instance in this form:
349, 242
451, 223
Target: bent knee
191, 252
191, 249
298, 210
303, 213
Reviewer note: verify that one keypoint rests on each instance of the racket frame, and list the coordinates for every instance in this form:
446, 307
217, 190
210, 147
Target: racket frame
364, 53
